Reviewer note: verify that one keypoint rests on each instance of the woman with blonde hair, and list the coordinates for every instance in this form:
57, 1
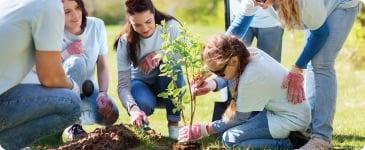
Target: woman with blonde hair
327, 24
259, 115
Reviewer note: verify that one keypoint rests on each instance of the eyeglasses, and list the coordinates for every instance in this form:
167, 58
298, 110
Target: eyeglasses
260, 1
221, 71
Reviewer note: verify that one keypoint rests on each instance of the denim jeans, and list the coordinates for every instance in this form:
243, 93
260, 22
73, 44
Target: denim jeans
321, 84
268, 39
145, 95
76, 69
252, 133
29, 112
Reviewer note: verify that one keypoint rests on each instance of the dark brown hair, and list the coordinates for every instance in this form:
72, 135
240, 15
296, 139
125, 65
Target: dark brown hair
132, 7
220, 49
83, 11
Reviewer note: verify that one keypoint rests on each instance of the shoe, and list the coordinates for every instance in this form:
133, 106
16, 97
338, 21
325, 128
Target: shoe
174, 132
75, 132
298, 139
317, 144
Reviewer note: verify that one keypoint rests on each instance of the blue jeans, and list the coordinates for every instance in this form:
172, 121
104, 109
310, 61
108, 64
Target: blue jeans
252, 133
145, 95
76, 69
29, 112
268, 39
321, 84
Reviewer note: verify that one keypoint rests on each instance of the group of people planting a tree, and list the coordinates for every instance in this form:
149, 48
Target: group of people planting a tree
51, 48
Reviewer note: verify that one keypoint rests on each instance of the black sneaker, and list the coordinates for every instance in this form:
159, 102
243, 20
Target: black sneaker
298, 139
75, 132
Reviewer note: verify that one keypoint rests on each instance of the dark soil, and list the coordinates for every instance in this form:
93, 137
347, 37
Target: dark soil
116, 137
190, 145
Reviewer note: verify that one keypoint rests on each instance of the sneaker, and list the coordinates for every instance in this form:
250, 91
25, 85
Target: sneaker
316, 144
298, 139
75, 132
174, 132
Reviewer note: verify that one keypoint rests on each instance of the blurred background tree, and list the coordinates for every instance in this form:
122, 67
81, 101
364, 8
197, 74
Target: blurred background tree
211, 13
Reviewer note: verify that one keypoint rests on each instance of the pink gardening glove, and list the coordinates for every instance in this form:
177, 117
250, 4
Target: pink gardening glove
75, 48
138, 117
149, 62
294, 81
192, 133
200, 86
105, 105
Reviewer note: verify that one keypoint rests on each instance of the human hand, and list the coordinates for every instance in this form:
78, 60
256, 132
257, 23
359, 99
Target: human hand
138, 117
294, 82
193, 133
105, 106
149, 62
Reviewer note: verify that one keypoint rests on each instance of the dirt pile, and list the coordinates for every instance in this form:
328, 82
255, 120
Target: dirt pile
116, 137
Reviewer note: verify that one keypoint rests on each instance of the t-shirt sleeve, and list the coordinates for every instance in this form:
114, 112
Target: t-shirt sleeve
252, 93
103, 38
48, 26
123, 61
313, 13
248, 7
174, 29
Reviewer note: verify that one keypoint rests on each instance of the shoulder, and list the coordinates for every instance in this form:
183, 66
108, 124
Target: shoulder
93, 21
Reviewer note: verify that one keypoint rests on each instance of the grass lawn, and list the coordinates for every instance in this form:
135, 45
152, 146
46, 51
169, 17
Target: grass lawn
349, 123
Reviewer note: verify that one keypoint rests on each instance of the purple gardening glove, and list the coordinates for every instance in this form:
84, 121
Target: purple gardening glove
105, 105
294, 81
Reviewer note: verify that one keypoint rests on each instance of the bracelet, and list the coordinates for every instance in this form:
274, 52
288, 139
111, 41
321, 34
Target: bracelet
130, 107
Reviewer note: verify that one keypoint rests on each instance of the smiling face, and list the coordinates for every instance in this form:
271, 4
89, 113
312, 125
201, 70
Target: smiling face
73, 16
143, 23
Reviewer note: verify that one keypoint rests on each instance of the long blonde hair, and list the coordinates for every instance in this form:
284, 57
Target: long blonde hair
219, 50
289, 13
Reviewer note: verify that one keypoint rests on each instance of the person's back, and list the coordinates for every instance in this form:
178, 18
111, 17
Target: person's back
31, 33
260, 87
17, 21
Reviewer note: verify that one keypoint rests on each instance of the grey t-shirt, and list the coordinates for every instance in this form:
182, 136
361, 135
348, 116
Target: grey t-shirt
26, 26
260, 88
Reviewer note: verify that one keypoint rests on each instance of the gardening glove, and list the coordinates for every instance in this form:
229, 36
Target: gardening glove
193, 133
75, 48
105, 106
294, 82
138, 117
202, 87
149, 62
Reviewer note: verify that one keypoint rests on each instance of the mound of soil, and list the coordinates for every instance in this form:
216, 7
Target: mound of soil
190, 145
116, 137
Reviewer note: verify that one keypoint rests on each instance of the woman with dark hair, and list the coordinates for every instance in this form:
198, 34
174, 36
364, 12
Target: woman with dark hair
260, 115
139, 80
84, 49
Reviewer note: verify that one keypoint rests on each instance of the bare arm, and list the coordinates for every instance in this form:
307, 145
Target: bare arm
50, 71
103, 73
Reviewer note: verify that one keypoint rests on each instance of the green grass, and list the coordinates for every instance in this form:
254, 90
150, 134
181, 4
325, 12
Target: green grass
349, 123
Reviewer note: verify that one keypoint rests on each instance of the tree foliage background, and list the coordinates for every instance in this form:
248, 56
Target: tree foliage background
211, 13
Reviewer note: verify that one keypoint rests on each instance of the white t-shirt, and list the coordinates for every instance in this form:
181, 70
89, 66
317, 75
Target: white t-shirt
147, 45
94, 43
26, 26
263, 17
260, 88
313, 12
